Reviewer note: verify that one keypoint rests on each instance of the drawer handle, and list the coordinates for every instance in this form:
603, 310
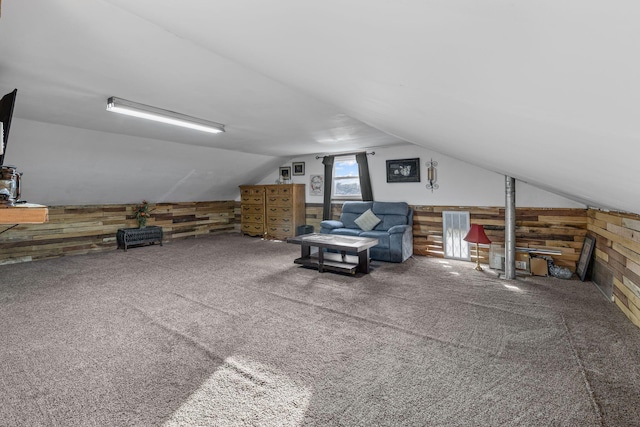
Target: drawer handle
286, 219
285, 209
273, 210
285, 200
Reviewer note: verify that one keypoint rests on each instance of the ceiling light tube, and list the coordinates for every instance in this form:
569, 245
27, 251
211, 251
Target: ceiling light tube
130, 108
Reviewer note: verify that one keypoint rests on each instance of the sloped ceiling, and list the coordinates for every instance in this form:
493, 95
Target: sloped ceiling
543, 91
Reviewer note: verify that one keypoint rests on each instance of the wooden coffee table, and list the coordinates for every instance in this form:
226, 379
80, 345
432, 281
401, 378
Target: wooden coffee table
341, 262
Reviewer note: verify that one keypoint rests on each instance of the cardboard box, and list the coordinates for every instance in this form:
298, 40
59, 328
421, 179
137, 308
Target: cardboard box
539, 267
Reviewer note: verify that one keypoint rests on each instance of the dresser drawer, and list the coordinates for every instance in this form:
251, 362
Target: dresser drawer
252, 229
279, 211
279, 200
258, 218
282, 190
280, 231
279, 220
252, 210
253, 199
251, 191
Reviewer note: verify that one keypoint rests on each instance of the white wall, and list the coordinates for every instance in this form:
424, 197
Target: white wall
70, 166
461, 184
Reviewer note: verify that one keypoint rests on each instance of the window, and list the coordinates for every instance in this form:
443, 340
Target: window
346, 180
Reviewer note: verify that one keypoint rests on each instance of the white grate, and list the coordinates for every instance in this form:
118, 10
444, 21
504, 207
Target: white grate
455, 225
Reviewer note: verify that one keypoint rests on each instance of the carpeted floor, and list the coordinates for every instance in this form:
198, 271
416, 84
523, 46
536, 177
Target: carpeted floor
227, 331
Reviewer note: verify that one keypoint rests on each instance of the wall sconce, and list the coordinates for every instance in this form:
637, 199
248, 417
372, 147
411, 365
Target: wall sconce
432, 175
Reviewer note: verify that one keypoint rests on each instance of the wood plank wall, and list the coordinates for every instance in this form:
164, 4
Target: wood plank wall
73, 230
541, 228
82, 229
618, 246
314, 215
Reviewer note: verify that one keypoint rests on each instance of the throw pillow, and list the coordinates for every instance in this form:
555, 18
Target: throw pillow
367, 220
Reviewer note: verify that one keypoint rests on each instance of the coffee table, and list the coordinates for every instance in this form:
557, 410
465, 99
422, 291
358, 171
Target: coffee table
341, 262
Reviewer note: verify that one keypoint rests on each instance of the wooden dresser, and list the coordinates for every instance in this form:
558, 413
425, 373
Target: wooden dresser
252, 208
273, 211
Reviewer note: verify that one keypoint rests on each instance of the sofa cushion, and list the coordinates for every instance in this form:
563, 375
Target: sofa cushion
330, 224
351, 211
346, 231
367, 221
391, 213
389, 221
390, 208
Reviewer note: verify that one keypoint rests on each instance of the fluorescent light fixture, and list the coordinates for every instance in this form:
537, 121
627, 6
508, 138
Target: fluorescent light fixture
130, 108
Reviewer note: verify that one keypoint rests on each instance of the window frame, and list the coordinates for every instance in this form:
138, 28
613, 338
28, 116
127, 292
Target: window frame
335, 178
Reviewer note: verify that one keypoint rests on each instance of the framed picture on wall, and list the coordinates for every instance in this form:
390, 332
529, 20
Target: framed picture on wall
298, 168
316, 185
285, 173
585, 257
403, 170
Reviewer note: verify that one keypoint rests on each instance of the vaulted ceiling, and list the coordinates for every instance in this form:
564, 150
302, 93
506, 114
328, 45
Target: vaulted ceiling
544, 91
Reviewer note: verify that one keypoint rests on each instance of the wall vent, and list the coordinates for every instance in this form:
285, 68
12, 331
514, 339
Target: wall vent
455, 226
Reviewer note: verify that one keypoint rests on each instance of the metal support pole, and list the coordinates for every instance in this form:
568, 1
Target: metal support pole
510, 228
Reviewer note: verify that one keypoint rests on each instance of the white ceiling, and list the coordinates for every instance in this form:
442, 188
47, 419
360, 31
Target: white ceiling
544, 91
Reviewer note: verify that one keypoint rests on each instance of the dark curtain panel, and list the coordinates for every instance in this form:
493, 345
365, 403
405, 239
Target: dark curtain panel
365, 180
327, 161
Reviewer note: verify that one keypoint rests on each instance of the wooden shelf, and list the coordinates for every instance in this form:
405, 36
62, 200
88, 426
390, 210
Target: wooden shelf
25, 213
332, 261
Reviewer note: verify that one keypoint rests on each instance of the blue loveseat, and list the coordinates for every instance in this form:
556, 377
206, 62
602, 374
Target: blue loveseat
394, 231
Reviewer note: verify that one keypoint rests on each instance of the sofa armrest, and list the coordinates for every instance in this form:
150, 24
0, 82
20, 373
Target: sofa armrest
330, 224
399, 229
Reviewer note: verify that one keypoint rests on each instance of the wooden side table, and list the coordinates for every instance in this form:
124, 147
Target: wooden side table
137, 236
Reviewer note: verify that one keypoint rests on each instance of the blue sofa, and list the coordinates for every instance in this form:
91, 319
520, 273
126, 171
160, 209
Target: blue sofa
394, 231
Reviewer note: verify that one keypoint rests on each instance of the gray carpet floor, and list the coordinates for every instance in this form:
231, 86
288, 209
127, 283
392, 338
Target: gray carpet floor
227, 331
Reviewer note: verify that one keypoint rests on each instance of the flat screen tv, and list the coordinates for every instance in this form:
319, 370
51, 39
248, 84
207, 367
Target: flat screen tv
6, 112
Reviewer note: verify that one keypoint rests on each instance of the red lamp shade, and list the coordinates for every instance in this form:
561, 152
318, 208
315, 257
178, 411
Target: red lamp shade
476, 235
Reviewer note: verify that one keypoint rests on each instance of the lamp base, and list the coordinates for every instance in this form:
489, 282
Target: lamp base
478, 259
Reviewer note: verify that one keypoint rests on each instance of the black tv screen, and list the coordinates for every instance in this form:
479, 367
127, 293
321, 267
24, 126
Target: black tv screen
6, 112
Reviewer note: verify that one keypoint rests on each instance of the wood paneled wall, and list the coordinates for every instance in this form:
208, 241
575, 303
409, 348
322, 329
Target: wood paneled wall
618, 246
75, 230
314, 215
540, 228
